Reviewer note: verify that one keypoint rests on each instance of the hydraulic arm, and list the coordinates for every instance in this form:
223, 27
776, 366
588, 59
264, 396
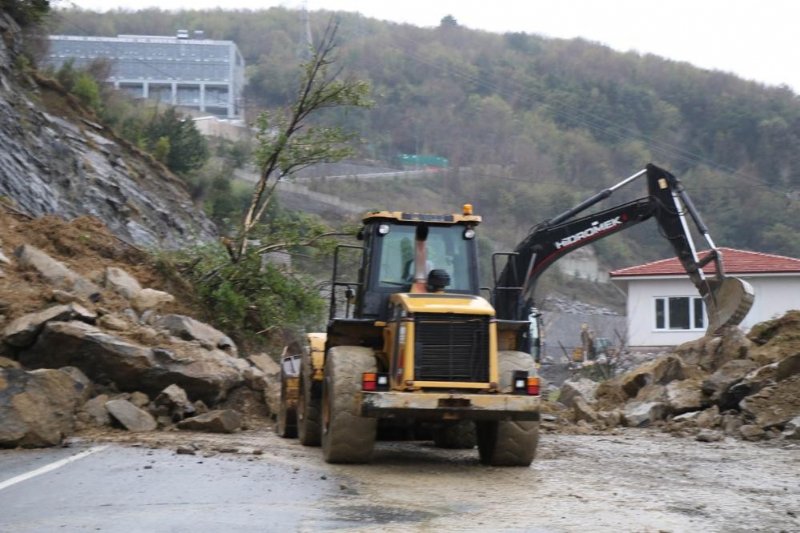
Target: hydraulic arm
727, 299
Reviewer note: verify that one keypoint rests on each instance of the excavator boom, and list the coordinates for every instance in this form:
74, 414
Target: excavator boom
727, 299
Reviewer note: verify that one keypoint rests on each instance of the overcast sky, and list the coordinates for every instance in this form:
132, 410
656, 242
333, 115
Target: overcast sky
756, 40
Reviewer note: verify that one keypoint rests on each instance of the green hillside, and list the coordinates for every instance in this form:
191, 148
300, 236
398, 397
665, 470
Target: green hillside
529, 125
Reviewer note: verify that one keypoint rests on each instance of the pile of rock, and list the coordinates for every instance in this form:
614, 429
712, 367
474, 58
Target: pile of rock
104, 352
735, 385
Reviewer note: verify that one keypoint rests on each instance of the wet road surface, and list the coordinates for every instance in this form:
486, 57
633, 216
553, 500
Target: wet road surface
255, 481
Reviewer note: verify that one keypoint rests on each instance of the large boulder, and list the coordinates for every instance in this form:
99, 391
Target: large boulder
37, 408
660, 371
147, 299
642, 414
709, 418
130, 417
249, 403
175, 402
55, 272
581, 410
207, 375
684, 396
581, 388
652, 392
757, 379
121, 282
204, 374
103, 357
792, 429
776, 339
774, 405
219, 421
719, 385
712, 351
788, 367
94, 412
82, 382
265, 363
189, 329
5, 362
22, 332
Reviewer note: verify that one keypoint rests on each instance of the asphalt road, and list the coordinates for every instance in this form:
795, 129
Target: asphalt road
255, 481
131, 489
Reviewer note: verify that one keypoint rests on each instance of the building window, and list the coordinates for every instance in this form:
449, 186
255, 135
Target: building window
680, 312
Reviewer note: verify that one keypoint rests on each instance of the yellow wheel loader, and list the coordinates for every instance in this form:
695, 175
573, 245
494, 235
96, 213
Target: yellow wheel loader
412, 339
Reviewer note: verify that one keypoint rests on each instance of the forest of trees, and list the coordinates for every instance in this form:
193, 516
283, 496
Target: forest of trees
543, 123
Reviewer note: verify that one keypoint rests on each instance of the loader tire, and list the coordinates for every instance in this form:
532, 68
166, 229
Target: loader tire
309, 409
455, 436
347, 437
508, 442
286, 418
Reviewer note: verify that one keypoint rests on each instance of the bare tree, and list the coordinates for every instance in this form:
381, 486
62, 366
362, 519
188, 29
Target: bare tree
288, 142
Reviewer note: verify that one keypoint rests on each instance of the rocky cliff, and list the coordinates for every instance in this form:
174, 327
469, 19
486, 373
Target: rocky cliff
60, 163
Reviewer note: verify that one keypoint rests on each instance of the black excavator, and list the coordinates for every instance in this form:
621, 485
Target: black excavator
727, 299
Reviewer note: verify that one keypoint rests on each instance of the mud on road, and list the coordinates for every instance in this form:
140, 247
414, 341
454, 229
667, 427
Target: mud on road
633, 480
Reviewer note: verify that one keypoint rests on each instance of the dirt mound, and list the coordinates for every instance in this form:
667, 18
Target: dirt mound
731, 385
86, 246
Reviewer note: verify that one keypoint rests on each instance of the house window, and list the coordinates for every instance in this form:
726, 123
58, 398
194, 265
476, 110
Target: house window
680, 312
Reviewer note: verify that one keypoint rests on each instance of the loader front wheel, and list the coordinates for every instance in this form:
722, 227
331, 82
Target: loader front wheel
347, 437
509, 442
309, 425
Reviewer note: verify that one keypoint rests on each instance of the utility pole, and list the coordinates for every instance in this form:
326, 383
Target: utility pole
307, 44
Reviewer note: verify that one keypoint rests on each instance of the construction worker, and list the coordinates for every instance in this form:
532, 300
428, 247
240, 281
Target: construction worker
587, 343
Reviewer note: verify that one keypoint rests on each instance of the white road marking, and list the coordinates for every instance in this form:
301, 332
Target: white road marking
49, 468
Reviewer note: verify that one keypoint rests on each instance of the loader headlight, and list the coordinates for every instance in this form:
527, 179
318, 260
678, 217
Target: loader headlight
383, 229
523, 383
469, 233
519, 381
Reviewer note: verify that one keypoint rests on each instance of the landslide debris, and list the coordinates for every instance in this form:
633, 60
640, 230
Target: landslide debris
92, 336
736, 385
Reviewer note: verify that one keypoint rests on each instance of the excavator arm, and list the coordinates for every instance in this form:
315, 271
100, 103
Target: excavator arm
727, 299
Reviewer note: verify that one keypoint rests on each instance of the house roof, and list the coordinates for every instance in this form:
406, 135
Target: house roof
735, 261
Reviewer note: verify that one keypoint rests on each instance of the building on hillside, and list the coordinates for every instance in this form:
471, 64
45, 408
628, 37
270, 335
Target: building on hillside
232, 130
196, 73
664, 308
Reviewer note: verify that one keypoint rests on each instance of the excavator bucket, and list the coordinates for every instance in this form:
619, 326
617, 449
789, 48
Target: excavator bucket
727, 303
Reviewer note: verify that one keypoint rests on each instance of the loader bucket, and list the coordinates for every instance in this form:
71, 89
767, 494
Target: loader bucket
727, 303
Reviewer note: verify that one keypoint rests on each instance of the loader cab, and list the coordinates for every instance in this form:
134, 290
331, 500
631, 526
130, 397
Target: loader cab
400, 247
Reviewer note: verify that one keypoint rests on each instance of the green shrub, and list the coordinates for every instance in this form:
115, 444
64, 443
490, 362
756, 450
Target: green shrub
253, 303
26, 12
87, 91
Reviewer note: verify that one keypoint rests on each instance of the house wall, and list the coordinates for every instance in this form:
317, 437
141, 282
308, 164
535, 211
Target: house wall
774, 296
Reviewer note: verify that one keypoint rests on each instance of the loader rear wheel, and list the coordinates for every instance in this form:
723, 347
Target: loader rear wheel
509, 442
309, 423
455, 435
347, 437
286, 423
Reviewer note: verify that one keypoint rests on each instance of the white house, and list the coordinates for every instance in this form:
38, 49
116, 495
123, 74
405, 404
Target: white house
664, 308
